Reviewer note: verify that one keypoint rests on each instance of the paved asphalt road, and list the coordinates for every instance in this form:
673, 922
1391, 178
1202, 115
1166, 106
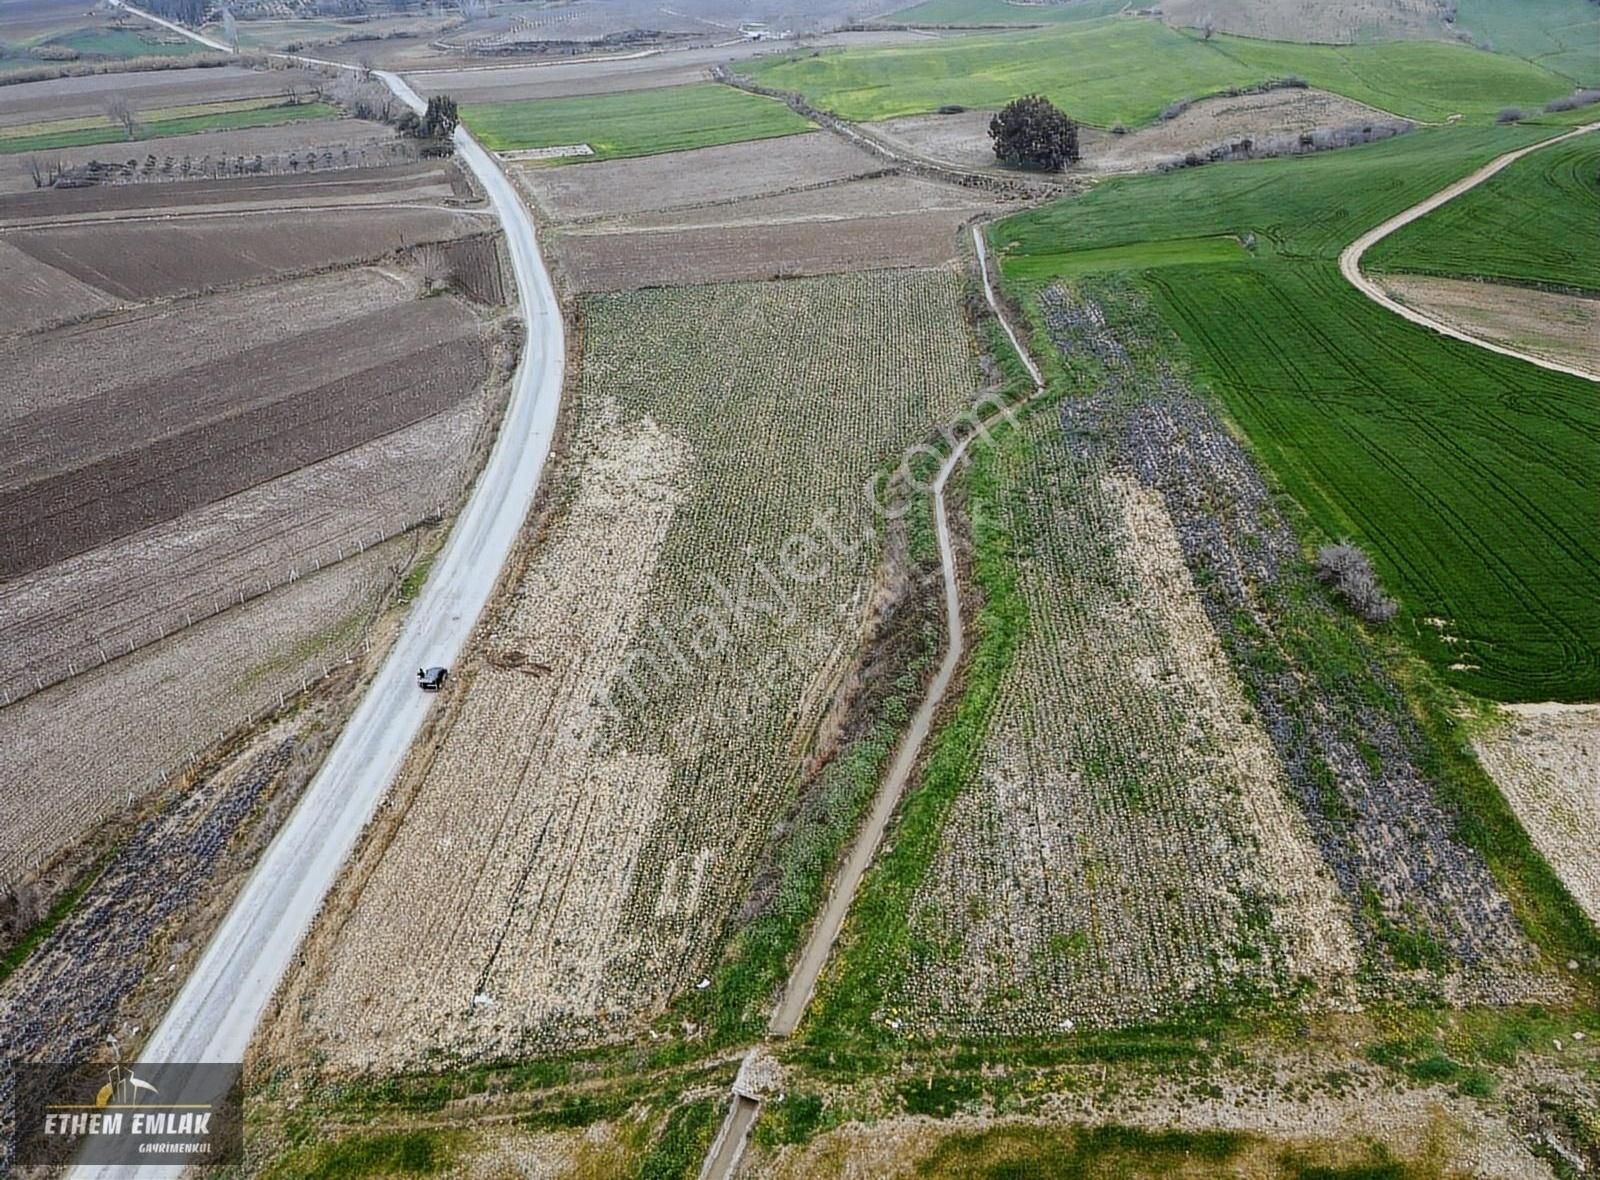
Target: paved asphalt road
215, 1014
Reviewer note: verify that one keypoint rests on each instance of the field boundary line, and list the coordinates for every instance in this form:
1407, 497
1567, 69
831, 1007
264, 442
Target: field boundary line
727, 1148
1350, 257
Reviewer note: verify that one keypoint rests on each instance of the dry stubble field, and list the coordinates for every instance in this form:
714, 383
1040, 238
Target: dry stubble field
1546, 324
617, 789
1546, 759
779, 208
962, 140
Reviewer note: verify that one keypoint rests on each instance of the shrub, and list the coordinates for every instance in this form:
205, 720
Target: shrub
1571, 102
1174, 109
1346, 568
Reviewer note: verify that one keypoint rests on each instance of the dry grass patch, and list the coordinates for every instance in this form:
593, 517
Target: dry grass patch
1545, 324
963, 141
1546, 759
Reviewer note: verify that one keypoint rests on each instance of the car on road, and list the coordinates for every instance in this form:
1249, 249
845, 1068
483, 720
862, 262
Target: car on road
431, 679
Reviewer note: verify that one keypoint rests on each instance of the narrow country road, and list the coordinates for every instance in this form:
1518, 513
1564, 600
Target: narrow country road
213, 1017
1350, 258
728, 1147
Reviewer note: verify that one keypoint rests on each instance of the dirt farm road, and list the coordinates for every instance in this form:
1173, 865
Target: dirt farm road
1350, 258
215, 1014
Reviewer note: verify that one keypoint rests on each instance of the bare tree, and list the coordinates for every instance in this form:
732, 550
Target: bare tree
121, 114
36, 170
291, 95
1349, 571
1207, 28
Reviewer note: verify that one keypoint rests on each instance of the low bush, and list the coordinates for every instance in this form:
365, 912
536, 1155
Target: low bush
1571, 102
1348, 570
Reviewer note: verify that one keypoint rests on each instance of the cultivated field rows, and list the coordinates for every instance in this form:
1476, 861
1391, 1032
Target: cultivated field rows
63, 1001
703, 176
143, 587
636, 715
105, 738
1197, 783
1128, 845
162, 258
1349, 747
65, 98
623, 262
385, 173
285, 147
777, 208
144, 452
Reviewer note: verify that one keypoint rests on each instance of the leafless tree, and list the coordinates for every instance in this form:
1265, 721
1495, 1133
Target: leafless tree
1349, 571
291, 95
121, 114
36, 170
1207, 28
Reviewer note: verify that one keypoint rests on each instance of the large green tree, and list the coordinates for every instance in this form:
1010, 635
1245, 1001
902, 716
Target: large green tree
1032, 133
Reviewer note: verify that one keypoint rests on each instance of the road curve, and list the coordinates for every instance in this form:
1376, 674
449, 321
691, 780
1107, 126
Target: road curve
213, 1017
1350, 258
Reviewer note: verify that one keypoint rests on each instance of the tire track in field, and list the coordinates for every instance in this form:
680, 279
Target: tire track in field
1350, 257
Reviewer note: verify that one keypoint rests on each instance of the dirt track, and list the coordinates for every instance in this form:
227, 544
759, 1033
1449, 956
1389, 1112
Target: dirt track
1350, 259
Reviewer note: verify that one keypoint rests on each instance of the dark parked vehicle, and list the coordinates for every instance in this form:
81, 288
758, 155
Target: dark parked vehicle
431, 679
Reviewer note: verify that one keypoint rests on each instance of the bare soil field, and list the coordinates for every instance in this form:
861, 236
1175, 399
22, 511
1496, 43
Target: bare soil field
146, 260
626, 261
1546, 758
371, 144
703, 176
962, 140
619, 798
67, 98
424, 182
483, 81
108, 736
33, 293
1546, 324
141, 452
876, 196
152, 583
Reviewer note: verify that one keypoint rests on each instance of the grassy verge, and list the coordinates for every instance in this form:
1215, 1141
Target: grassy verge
876, 943
42, 929
633, 123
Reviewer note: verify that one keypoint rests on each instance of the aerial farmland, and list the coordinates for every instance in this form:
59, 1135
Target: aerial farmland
743, 590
